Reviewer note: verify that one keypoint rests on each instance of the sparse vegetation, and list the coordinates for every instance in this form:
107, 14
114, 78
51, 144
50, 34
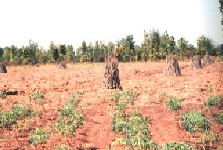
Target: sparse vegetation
209, 137
195, 121
62, 147
218, 117
69, 118
3, 95
176, 146
174, 104
38, 97
39, 137
214, 101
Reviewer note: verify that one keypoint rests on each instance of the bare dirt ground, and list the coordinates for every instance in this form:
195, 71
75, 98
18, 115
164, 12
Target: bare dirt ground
195, 86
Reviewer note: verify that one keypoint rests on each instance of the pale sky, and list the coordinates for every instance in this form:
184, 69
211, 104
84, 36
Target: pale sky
72, 21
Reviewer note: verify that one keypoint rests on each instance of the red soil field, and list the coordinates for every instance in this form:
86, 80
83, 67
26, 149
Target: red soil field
195, 86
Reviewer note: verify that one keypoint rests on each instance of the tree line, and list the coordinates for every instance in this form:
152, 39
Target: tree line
155, 46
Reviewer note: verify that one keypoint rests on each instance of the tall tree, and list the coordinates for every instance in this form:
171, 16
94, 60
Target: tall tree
70, 53
56, 54
172, 48
62, 50
155, 37
164, 44
204, 45
1, 54
182, 46
84, 48
111, 47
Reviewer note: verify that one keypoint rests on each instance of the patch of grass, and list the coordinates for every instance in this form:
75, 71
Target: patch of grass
174, 104
194, 121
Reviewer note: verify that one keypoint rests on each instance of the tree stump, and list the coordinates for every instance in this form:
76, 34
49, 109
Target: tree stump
3, 67
196, 62
172, 67
62, 65
207, 60
111, 76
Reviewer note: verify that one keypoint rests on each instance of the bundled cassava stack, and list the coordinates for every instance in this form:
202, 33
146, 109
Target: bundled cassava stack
111, 76
172, 67
196, 62
206, 60
3, 67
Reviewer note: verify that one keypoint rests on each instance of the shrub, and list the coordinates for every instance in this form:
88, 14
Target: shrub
62, 147
7, 118
3, 95
209, 137
194, 121
38, 97
218, 117
214, 101
22, 111
176, 146
69, 120
137, 134
39, 137
174, 104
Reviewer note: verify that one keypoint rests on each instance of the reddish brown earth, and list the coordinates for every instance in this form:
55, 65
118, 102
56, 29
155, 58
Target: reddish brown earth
195, 86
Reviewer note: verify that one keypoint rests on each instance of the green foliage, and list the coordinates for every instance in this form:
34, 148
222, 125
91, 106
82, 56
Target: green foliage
73, 101
218, 117
22, 111
62, 147
3, 95
39, 137
123, 98
209, 137
38, 97
214, 101
194, 121
137, 134
174, 104
7, 118
176, 146
69, 118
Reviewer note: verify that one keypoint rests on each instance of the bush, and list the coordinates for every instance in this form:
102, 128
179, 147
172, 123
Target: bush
22, 111
214, 101
69, 120
3, 95
194, 121
174, 104
218, 117
39, 137
209, 137
38, 97
176, 146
